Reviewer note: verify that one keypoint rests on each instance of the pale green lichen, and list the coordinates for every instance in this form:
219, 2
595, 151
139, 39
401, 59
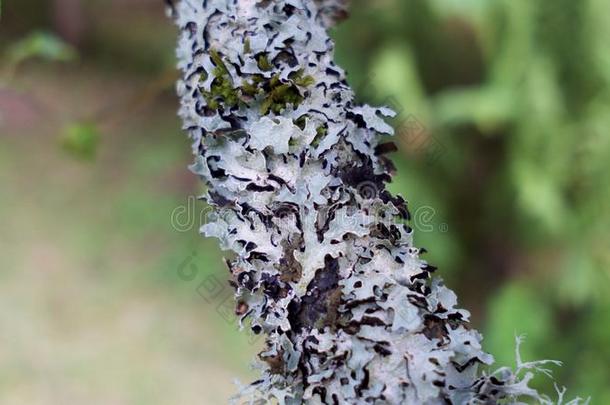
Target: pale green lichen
329, 273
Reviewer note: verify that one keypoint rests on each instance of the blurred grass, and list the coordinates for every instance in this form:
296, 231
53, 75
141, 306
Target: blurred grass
92, 309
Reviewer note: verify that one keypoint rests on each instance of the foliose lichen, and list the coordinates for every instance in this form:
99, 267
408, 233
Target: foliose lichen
323, 261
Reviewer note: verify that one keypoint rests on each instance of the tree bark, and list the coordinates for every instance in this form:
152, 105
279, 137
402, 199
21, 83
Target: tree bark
323, 261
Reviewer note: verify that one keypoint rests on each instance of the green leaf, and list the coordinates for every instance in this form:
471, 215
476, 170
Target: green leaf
394, 81
581, 279
81, 140
40, 44
489, 108
539, 196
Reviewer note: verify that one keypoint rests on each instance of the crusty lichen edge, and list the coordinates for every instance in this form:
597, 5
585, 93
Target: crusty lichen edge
322, 258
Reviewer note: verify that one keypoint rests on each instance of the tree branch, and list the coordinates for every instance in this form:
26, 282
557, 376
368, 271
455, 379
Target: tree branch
323, 260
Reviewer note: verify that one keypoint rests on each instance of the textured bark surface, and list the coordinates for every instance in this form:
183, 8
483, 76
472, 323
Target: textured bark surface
322, 256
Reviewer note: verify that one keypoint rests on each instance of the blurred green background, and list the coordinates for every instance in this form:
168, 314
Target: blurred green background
109, 296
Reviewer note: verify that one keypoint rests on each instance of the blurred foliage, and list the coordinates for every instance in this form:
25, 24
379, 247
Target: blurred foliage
40, 44
81, 139
89, 258
518, 92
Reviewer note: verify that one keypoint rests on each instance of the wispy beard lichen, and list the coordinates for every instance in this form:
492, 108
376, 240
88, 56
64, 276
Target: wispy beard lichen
323, 260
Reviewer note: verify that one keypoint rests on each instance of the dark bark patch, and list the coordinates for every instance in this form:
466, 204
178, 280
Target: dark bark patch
319, 304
